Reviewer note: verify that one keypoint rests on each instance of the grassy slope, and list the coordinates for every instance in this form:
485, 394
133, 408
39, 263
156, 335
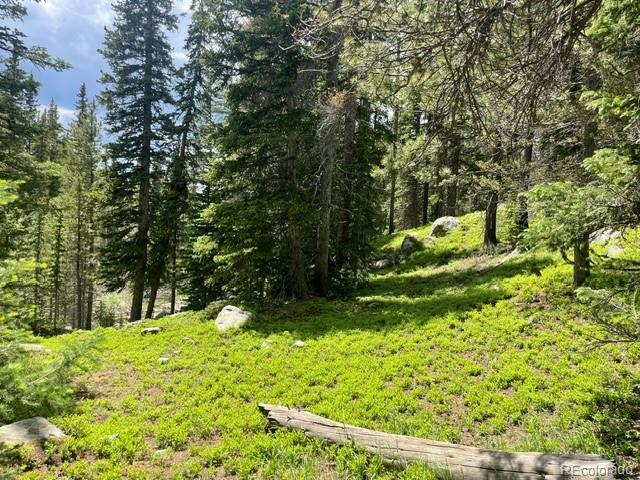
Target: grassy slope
446, 346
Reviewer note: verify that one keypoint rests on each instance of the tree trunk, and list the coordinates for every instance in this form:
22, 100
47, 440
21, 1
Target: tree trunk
328, 138
79, 317
523, 207
144, 196
393, 171
296, 283
491, 224
174, 282
581, 263
425, 203
453, 162
413, 202
153, 295
349, 150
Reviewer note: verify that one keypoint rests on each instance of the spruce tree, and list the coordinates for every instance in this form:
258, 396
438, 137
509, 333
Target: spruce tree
175, 192
262, 216
136, 94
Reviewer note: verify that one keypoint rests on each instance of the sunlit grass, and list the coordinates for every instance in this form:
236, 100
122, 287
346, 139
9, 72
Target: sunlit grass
448, 346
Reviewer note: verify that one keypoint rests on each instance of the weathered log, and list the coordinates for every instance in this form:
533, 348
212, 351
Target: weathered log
456, 461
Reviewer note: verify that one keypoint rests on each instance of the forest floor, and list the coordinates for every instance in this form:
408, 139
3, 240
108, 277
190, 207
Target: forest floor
448, 345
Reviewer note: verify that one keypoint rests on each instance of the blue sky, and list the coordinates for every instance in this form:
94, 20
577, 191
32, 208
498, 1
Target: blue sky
74, 31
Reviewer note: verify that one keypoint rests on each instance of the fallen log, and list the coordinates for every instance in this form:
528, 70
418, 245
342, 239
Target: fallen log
458, 462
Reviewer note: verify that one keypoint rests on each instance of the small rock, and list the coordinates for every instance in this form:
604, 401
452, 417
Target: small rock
68, 328
410, 245
299, 344
233, 318
163, 360
181, 306
614, 251
36, 430
604, 236
267, 343
444, 226
160, 314
495, 287
151, 331
384, 263
113, 437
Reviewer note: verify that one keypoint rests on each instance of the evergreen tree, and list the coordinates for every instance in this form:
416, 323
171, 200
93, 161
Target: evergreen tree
175, 192
78, 192
263, 212
137, 95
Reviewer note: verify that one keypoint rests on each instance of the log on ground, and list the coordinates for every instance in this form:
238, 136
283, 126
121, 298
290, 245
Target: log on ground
457, 462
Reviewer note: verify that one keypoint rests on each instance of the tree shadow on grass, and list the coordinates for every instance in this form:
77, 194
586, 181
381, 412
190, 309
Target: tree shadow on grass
399, 302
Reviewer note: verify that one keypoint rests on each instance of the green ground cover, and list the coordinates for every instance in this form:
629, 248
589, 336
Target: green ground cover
448, 345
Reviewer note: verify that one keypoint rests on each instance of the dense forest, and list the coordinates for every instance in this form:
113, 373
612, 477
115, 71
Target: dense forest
264, 169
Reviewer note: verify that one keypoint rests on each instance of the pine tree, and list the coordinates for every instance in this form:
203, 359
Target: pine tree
137, 93
262, 216
174, 200
78, 194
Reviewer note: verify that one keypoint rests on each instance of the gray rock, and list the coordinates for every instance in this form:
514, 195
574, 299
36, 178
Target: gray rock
444, 226
384, 263
604, 236
410, 245
181, 306
614, 251
160, 314
233, 318
163, 360
36, 430
151, 331
299, 344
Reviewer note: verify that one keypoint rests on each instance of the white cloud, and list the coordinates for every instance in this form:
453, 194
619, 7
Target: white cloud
96, 12
67, 115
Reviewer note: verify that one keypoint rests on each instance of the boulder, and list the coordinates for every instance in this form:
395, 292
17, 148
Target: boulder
151, 331
410, 245
233, 318
604, 236
32, 430
444, 226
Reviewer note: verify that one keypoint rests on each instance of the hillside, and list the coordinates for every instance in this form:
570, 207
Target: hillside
449, 345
